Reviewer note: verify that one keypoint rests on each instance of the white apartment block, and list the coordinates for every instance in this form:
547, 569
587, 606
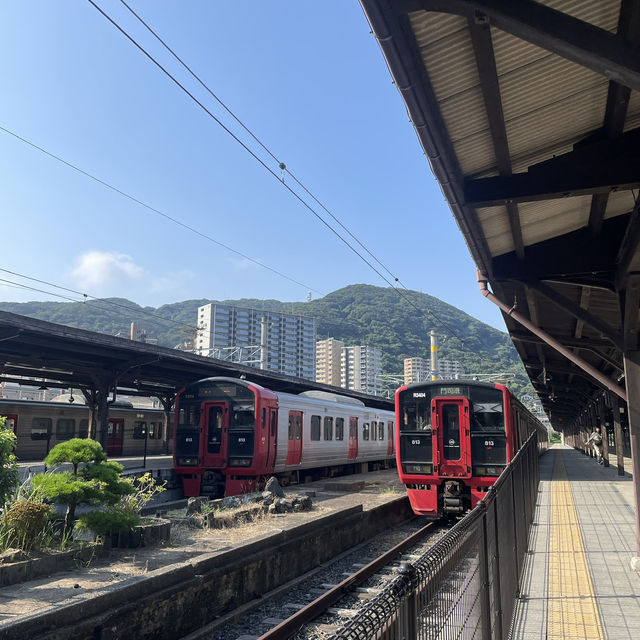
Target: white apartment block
361, 368
419, 369
449, 369
416, 370
328, 361
281, 342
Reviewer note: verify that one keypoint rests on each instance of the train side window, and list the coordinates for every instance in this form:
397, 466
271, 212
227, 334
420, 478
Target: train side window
291, 423
328, 428
158, 430
339, 428
139, 430
273, 417
40, 428
380, 430
298, 427
390, 430
315, 427
83, 428
65, 428
365, 431
264, 418
374, 430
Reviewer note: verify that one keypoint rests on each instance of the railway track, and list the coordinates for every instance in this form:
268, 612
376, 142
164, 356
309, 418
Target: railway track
318, 603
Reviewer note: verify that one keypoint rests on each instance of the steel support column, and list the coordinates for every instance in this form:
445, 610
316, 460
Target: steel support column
602, 413
632, 378
617, 429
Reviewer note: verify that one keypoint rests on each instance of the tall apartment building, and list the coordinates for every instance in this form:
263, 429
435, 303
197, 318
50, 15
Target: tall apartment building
280, 342
416, 370
419, 369
449, 369
360, 369
328, 360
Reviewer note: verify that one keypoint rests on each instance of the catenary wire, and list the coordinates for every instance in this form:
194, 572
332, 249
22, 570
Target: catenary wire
264, 165
86, 297
240, 142
154, 210
255, 137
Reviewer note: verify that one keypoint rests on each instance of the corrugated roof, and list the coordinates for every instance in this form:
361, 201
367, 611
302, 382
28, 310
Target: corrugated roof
550, 106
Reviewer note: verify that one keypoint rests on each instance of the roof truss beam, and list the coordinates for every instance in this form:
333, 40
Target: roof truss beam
576, 311
600, 167
606, 53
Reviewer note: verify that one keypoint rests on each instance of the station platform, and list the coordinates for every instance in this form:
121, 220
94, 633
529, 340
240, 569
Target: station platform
577, 581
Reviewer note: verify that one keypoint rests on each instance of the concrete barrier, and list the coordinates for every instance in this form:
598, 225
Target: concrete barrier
31, 568
176, 600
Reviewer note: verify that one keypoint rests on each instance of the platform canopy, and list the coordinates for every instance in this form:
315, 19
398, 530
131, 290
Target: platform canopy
529, 114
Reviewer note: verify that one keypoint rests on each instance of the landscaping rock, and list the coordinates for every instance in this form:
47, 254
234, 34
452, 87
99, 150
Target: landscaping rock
194, 505
273, 487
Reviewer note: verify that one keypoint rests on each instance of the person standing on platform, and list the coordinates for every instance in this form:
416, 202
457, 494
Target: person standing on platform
596, 441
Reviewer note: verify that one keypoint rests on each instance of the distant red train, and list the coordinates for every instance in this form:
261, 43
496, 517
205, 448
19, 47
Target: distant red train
232, 434
454, 439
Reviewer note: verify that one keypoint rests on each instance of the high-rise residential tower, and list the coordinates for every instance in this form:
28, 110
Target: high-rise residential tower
281, 342
328, 359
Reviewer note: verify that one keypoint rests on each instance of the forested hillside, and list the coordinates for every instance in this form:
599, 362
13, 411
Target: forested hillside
357, 314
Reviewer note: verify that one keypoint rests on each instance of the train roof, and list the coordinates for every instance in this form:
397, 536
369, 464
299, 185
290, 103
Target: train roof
327, 396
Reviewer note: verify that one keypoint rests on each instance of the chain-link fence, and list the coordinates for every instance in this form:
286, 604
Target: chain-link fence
466, 585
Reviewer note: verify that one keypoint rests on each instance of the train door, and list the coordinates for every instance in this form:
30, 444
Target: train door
451, 417
272, 438
390, 442
215, 430
115, 436
10, 421
294, 451
353, 438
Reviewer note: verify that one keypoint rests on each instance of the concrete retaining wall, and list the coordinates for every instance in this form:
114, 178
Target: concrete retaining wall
34, 567
176, 600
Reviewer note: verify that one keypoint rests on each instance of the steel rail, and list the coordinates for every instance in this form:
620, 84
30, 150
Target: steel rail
309, 613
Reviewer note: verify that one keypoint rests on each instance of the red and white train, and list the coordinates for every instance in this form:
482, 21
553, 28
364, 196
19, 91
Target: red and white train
455, 438
231, 435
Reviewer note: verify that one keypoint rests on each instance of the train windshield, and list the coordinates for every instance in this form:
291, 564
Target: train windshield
487, 411
416, 415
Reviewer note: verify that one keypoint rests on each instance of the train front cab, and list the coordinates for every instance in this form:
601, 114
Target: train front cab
225, 436
451, 444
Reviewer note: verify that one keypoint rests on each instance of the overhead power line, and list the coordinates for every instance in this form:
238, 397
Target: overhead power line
255, 156
240, 142
154, 210
281, 165
87, 297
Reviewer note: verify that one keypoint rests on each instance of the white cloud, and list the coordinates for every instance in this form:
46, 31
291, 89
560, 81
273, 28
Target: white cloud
97, 271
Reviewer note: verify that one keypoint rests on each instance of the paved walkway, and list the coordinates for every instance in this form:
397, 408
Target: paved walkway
578, 582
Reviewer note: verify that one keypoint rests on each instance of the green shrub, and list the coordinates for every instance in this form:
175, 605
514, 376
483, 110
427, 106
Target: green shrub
105, 521
145, 488
23, 522
9, 475
95, 483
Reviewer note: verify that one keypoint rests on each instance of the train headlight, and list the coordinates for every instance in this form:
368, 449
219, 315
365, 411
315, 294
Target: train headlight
187, 462
480, 471
240, 462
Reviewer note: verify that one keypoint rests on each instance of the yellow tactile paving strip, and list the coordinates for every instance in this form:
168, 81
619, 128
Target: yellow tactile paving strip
572, 607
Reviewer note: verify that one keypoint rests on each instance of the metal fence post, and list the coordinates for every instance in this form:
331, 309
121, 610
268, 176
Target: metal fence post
486, 600
408, 571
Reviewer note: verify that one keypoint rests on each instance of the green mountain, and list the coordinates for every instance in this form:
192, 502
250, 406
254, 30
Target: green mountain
396, 322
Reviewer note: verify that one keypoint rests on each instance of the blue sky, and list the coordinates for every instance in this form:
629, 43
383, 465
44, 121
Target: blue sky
307, 78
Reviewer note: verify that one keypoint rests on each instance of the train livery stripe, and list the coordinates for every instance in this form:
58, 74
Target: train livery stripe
573, 611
